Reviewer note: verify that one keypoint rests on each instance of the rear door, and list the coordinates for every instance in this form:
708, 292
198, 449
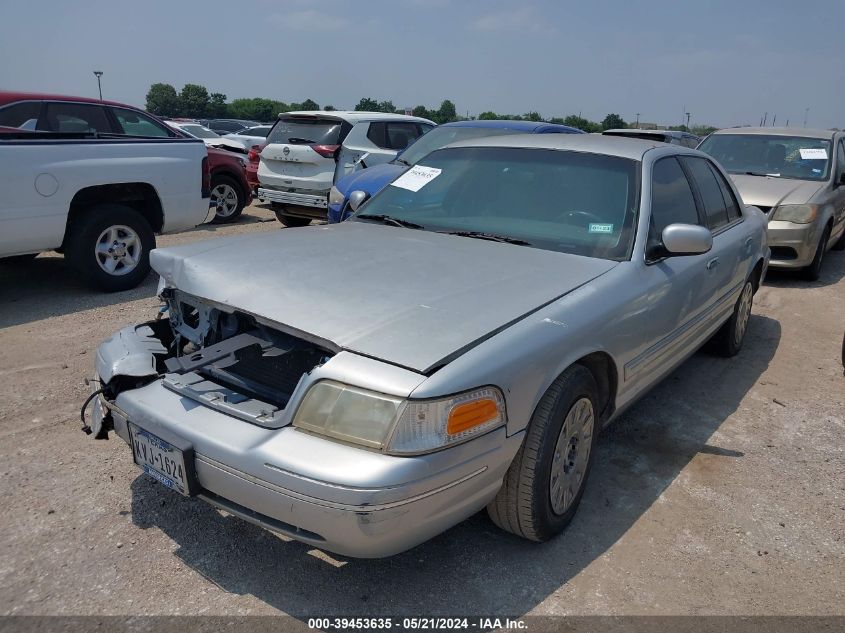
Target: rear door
375, 142
300, 152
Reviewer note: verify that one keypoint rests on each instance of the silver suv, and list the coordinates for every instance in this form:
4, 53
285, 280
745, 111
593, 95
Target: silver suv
797, 177
307, 152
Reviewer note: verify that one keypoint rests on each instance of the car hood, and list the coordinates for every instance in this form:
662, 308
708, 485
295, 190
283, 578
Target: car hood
762, 191
372, 180
413, 298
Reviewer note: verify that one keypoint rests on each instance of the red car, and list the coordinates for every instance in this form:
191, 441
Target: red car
253, 158
230, 189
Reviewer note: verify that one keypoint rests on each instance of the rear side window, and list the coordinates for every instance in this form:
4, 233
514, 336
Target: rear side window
306, 130
397, 136
136, 124
76, 117
715, 208
730, 200
21, 115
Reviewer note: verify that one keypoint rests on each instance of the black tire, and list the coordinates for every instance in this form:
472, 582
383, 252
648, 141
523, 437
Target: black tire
814, 270
524, 504
729, 339
85, 233
227, 183
289, 220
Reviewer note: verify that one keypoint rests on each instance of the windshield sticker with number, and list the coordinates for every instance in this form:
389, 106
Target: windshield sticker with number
600, 228
416, 177
814, 153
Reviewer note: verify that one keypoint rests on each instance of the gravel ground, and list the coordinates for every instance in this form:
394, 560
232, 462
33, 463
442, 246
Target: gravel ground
722, 492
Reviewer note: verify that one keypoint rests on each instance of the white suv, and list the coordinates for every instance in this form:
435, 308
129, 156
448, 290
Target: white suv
307, 152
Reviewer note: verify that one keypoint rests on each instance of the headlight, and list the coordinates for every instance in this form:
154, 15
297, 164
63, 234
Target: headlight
335, 196
395, 425
796, 213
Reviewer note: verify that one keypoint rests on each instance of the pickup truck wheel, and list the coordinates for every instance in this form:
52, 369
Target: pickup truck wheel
544, 484
814, 270
227, 198
110, 245
289, 220
728, 340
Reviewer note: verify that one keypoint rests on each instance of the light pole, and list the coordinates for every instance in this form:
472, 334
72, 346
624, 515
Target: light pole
688, 114
806, 110
638, 120
99, 73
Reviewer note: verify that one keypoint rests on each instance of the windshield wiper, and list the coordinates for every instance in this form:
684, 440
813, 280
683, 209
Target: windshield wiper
388, 219
481, 235
401, 160
757, 173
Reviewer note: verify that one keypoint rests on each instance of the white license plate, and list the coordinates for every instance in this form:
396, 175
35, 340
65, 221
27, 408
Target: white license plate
159, 459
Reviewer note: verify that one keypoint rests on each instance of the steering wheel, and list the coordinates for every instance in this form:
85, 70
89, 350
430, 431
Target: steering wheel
580, 215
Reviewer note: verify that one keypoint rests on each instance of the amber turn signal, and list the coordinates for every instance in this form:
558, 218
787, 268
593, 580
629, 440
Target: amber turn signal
471, 414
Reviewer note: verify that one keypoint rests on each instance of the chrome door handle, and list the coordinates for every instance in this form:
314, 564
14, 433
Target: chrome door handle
712, 263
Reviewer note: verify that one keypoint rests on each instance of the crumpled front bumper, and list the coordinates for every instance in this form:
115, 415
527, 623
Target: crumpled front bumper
337, 497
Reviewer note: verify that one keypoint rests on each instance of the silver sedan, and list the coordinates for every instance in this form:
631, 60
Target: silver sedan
459, 344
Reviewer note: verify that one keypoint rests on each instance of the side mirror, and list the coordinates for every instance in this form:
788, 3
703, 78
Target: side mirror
686, 239
357, 198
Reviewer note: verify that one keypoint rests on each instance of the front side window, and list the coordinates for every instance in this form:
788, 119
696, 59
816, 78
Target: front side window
22, 115
76, 117
771, 155
134, 123
672, 200
571, 202
715, 208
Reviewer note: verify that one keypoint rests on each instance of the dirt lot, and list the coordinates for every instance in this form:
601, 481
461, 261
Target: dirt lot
721, 492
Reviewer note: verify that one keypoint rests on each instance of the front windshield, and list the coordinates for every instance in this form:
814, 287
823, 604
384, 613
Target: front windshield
571, 202
442, 136
782, 156
199, 131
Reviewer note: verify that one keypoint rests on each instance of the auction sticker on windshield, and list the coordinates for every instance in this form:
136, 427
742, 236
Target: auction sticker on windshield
416, 177
159, 459
813, 153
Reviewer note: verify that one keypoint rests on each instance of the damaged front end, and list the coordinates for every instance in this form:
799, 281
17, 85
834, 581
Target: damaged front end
218, 357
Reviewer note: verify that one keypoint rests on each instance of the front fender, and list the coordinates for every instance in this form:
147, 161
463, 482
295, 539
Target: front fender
131, 352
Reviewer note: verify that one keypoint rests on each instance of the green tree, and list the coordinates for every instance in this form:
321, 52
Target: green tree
329, 108
703, 130
309, 105
533, 116
488, 116
162, 100
194, 101
573, 120
386, 106
613, 122
446, 112
367, 105
422, 111
217, 105
257, 109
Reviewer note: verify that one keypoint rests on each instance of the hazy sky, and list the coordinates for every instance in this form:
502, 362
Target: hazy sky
727, 61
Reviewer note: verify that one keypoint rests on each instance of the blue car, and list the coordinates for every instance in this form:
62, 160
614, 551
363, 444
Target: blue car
374, 179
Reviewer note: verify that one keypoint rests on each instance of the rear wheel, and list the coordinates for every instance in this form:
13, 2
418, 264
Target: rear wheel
110, 246
544, 484
814, 270
227, 198
286, 219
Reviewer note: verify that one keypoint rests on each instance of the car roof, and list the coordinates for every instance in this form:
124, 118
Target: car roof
11, 97
636, 131
354, 116
511, 124
632, 148
779, 131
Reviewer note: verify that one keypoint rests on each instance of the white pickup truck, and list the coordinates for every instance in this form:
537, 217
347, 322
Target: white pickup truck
99, 199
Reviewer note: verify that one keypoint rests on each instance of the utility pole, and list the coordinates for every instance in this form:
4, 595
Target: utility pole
774, 118
806, 110
638, 120
765, 118
688, 115
99, 73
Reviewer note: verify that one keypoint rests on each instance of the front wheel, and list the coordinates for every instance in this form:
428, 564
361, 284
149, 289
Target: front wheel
110, 245
227, 198
814, 270
728, 340
544, 484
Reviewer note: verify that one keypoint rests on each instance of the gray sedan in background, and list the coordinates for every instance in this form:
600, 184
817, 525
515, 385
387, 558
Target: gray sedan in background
458, 344
797, 177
